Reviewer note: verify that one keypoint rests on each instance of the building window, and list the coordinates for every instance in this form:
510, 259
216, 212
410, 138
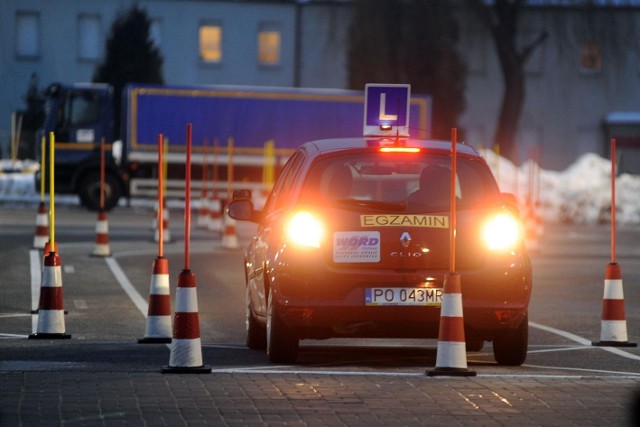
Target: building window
89, 37
591, 59
210, 43
27, 35
269, 39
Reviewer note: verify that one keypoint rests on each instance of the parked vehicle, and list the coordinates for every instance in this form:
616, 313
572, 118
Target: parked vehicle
80, 115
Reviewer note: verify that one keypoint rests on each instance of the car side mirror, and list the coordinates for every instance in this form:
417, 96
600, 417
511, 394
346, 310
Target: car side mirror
510, 201
241, 207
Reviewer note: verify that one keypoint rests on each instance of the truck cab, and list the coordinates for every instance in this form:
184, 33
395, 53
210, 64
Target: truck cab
80, 116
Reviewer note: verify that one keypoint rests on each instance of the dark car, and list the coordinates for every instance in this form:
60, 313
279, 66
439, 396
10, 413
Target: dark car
353, 241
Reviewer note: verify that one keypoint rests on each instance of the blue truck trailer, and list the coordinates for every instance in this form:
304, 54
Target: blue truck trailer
243, 118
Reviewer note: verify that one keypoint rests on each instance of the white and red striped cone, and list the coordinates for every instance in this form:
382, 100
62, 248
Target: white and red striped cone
101, 247
51, 306
203, 213
451, 358
229, 236
215, 213
42, 227
158, 328
166, 232
186, 347
613, 330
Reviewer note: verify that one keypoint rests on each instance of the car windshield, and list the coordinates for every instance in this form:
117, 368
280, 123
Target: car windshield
399, 183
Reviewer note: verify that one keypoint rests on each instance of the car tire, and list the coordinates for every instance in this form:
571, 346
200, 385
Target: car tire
510, 348
256, 333
89, 191
282, 344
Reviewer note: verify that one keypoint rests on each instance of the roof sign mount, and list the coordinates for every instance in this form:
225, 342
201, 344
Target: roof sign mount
386, 110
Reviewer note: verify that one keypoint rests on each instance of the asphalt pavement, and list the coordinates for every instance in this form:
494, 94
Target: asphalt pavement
104, 377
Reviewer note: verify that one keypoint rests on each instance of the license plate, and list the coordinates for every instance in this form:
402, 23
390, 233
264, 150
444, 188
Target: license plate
403, 296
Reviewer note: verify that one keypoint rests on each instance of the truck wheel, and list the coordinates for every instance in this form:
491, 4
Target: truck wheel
256, 333
510, 348
282, 344
89, 191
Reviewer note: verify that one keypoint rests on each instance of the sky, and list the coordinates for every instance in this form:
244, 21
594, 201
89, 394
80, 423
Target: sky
581, 194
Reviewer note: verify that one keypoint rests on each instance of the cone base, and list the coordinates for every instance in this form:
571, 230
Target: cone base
614, 344
154, 340
48, 336
204, 369
451, 372
100, 254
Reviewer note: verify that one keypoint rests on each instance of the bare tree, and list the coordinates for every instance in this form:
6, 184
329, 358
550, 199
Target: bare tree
502, 19
410, 41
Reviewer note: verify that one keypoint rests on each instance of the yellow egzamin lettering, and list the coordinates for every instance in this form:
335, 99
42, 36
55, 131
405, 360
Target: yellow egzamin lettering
428, 221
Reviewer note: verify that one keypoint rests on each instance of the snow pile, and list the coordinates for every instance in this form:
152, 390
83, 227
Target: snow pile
581, 194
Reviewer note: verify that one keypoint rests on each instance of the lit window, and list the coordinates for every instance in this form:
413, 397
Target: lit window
591, 56
211, 43
269, 46
89, 42
27, 34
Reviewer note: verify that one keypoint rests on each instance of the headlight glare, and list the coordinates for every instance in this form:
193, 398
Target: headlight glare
502, 232
303, 229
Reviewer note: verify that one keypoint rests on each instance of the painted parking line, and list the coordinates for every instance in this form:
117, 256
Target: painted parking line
126, 285
583, 341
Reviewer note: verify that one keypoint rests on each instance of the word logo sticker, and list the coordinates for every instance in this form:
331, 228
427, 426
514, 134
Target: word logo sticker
356, 246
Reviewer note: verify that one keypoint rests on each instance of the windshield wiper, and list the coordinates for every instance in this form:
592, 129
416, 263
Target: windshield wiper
373, 204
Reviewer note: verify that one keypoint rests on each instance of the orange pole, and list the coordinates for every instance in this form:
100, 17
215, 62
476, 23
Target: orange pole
187, 201
452, 216
215, 166
613, 201
205, 167
160, 198
102, 166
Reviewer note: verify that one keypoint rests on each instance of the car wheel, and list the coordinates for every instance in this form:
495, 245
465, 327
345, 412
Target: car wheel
89, 191
510, 348
256, 333
282, 344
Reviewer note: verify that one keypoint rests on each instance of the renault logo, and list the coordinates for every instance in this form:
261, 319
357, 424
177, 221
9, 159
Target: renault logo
405, 239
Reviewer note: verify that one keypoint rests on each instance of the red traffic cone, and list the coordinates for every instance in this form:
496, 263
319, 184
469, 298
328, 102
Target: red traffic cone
186, 347
451, 358
51, 307
42, 227
613, 332
203, 212
101, 247
215, 215
229, 237
158, 328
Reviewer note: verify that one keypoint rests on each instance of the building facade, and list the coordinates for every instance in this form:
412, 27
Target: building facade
577, 78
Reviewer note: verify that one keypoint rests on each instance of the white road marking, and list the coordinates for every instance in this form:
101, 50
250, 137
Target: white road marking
36, 271
124, 282
583, 341
80, 304
36, 279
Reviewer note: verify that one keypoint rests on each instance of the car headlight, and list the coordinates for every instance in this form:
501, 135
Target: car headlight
304, 229
502, 232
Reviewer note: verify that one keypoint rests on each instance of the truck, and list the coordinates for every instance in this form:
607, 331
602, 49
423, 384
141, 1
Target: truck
239, 121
